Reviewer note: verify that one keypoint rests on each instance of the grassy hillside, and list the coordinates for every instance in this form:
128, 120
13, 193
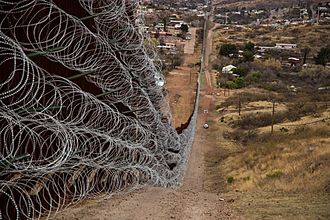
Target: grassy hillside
314, 37
265, 173
260, 3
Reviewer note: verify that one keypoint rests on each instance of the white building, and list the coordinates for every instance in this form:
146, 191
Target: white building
228, 69
286, 46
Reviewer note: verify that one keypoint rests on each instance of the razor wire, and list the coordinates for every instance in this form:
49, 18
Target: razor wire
60, 144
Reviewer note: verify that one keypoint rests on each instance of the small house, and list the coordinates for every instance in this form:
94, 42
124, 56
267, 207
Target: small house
160, 26
228, 69
293, 61
175, 22
286, 46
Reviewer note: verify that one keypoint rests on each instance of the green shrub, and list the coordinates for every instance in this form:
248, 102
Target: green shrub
241, 71
249, 46
323, 56
231, 84
236, 83
227, 49
268, 87
230, 179
248, 56
253, 77
240, 82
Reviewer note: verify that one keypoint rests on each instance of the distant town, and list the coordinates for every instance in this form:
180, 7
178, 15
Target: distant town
168, 25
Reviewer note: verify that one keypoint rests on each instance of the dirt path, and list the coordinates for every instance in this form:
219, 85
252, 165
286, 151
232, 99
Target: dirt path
181, 86
208, 51
190, 201
189, 47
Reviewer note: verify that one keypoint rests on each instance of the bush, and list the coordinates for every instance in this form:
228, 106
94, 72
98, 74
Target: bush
231, 84
251, 121
303, 109
323, 56
240, 71
268, 66
236, 83
216, 66
242, 136
240, 82
227, 49
230, 179
249, 46
184, 28
316, 75
176, 60
253, 77
248, 56
268, 87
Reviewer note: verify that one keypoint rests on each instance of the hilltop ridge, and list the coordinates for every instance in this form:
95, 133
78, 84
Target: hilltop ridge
263, 3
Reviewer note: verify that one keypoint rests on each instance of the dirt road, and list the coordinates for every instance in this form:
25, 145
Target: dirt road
189, 47
208, 51
190, 201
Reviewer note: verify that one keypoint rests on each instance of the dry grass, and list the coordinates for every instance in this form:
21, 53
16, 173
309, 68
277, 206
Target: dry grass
296, 160
252, 4
285, 175
281, 176
273, 161
313, 36
279, 205
290, 163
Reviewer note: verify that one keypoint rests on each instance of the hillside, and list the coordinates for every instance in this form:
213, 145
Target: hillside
262, 3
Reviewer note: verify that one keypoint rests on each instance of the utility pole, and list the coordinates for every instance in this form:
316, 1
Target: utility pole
273, 113
226, 17
239, 104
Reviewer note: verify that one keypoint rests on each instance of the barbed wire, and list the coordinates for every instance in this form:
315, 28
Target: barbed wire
60, 144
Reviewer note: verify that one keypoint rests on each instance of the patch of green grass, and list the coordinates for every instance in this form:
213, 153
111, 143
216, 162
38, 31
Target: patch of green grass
275, 174
246, 178
230, 179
